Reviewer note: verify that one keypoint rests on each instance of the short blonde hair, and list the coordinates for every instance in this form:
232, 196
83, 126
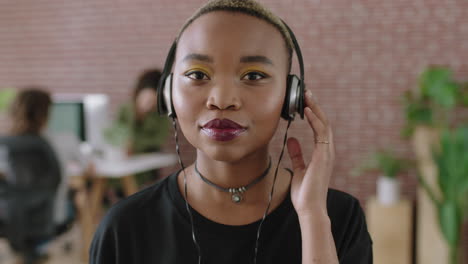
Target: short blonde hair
248, 7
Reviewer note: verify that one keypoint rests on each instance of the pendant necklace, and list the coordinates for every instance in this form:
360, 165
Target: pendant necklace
237, 192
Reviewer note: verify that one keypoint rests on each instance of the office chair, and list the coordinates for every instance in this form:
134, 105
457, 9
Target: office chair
27, 193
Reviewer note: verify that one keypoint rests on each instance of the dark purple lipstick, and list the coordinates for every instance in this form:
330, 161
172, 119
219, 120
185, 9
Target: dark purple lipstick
222, 129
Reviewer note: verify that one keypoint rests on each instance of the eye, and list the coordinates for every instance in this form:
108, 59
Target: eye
197, 75
254, 76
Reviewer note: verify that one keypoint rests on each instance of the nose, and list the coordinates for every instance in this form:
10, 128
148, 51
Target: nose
224, 97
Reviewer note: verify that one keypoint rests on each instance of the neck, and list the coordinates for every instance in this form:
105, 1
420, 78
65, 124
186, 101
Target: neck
233, 174
217, 205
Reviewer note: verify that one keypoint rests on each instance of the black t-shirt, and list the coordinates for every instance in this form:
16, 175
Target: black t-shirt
153, 226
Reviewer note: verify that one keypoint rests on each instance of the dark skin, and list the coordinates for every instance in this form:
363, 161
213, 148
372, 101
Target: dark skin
234, 66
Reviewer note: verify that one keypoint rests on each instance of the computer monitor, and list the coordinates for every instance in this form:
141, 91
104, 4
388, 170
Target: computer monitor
68, 117
83, 115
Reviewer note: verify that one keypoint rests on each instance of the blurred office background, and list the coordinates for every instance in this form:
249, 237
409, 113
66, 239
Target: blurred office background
360, 57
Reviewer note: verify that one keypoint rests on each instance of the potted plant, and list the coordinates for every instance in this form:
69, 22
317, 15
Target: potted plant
389, 166
452, 178
431, 109
432, 104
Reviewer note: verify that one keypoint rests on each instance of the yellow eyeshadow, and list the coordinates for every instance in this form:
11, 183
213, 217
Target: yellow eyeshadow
198, 67
254, 69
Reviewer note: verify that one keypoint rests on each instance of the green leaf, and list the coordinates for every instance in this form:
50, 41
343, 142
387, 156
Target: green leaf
428, 190
463, 94
407, 131
417, 110
452, 163
6, 98
384, 161
449, 222
437, 84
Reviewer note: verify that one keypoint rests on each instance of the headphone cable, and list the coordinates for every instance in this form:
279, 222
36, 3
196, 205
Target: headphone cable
187, 206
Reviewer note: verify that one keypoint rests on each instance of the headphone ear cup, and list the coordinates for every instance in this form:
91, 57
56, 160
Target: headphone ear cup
165, 85
294, 98
301, 99
165, 105
285, 110
161, 106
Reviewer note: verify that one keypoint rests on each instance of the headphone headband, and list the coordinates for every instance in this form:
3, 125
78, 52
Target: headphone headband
295, 86
297, 49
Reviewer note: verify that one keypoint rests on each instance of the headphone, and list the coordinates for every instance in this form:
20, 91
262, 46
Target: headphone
293, 100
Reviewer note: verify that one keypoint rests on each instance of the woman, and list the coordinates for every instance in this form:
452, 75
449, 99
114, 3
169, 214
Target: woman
232, 60
148, 131
32, 175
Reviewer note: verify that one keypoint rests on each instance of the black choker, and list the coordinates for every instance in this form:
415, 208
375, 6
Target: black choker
236, 193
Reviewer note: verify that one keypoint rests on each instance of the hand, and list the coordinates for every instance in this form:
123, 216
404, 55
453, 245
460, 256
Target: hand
310, 182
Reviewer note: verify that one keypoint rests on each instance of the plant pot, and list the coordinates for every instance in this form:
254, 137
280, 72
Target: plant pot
388, 190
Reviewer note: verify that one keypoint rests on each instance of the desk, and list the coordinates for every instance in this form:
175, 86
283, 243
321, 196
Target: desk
134, 164
391, 229
122, 169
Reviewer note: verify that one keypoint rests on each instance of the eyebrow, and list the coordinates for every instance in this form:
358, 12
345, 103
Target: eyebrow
244, 59
199, 57
258, 58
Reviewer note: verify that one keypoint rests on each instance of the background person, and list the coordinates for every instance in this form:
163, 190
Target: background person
33, 173
146, 131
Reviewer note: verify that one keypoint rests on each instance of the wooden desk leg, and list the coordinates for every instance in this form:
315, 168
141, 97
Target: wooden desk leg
91, 213
97, 194
129, 185
85, 221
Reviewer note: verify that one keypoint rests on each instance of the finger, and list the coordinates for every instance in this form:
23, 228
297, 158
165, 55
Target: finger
295, 153
317, 125
313, 105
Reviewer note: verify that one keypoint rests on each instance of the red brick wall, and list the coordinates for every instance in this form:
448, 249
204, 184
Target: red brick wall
360, 56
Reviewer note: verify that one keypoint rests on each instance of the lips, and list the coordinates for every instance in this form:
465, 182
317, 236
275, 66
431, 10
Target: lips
223, 129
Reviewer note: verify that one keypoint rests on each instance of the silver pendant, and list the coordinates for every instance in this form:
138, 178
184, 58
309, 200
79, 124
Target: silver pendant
236, 197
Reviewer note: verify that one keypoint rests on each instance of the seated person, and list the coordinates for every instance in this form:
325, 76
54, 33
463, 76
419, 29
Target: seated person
32, 174
147, 131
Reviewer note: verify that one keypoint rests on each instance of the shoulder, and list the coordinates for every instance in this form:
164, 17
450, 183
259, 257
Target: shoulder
126, 107
343, 208
126, 111
29, 141
338, 200
137, 208
138, 204
349, 227
128, 219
